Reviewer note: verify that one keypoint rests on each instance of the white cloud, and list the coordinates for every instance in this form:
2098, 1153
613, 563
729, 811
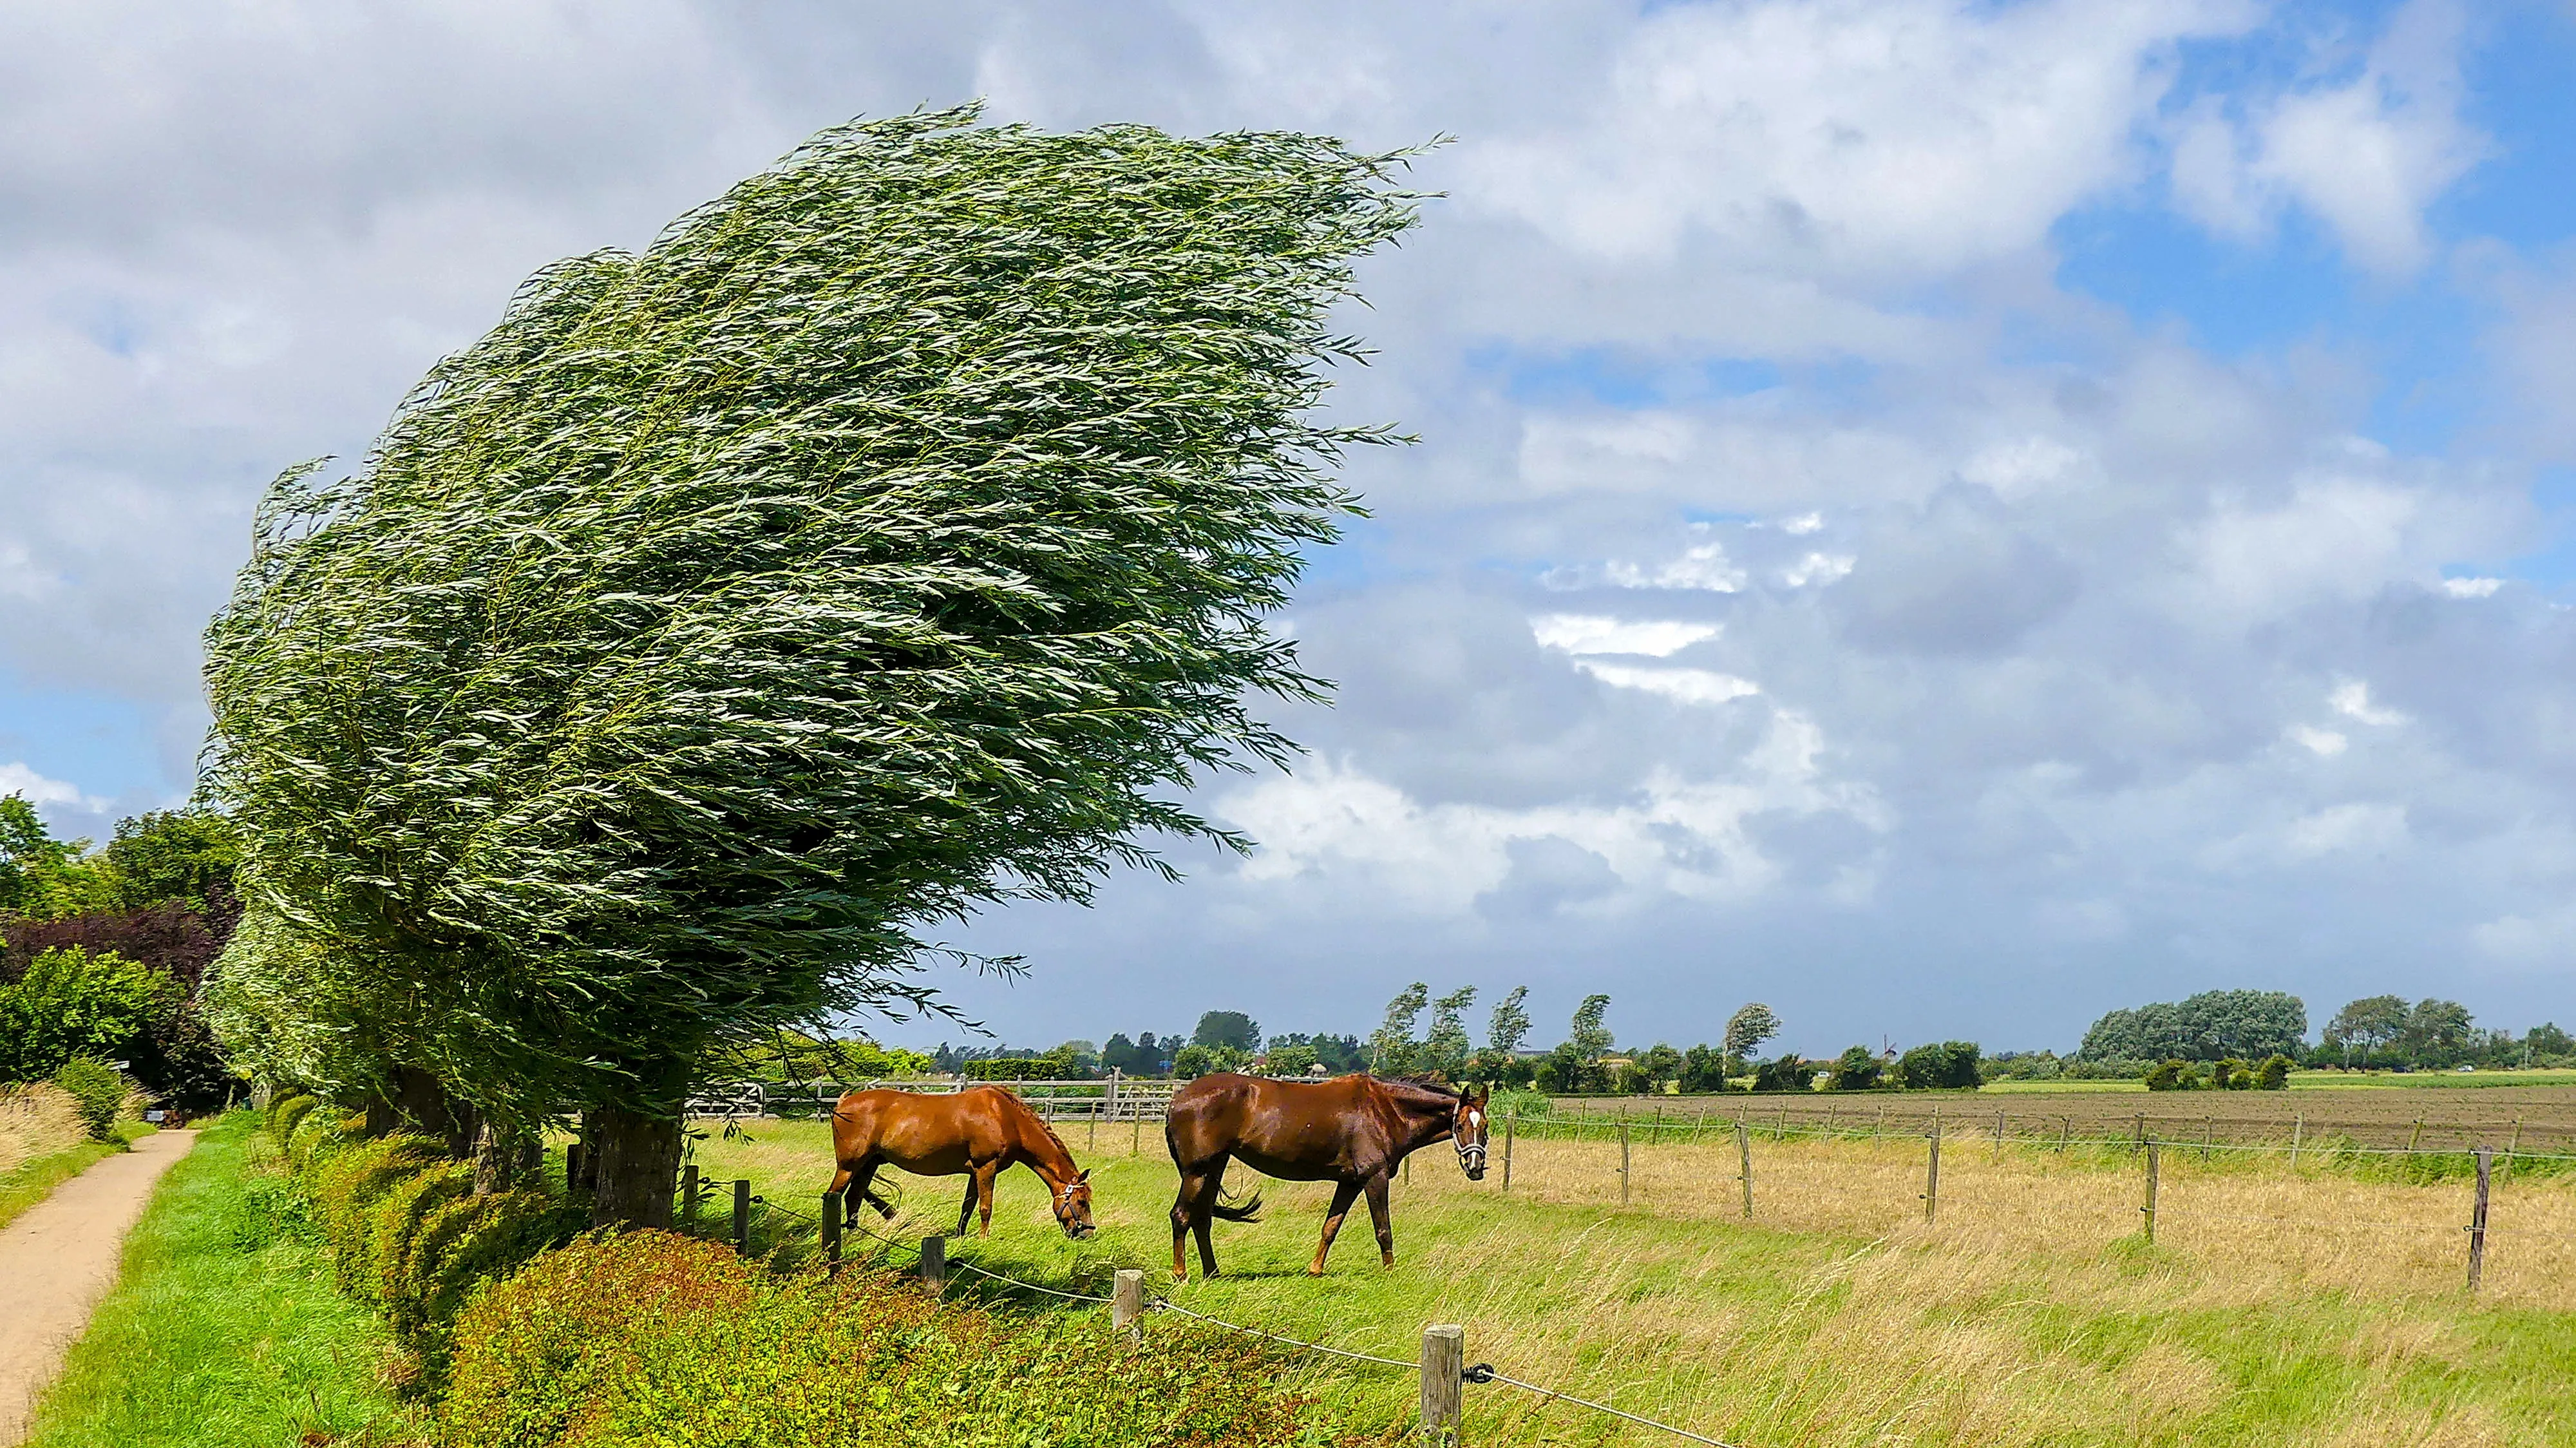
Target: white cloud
1896, 138
2471, 587
2542, 939
1818, 568
16, 778
2347, 828
2366, 155
1583, 633
1688, 686
2325, 742
2351, 698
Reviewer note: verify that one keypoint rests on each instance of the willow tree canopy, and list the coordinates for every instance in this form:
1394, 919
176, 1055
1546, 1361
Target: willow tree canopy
893, 535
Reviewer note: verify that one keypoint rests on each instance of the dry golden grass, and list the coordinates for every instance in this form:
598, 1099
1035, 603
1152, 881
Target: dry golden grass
37, 1120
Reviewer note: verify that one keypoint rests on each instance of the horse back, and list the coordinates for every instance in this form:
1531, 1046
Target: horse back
1296, 1130
935, 1135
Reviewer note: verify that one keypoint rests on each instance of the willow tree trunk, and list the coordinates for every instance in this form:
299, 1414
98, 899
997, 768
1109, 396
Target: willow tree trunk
633, 1159
425, 1104
506, 1158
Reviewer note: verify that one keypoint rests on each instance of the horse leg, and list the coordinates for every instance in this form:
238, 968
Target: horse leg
1377, 1214
1203, 1212
1344, 1193
1182, 1204
984, 1183
966, 1213
863, 1189
840, 1180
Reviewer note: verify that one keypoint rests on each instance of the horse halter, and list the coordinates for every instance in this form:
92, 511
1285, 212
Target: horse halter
1471, 1158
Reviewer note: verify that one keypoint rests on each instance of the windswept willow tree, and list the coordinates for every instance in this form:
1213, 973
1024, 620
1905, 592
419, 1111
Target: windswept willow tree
893, 536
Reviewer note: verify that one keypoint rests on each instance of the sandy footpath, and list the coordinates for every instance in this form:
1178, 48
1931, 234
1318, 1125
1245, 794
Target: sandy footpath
58, 1259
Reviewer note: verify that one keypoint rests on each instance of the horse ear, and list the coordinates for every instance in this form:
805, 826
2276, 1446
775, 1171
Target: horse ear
1086, 1175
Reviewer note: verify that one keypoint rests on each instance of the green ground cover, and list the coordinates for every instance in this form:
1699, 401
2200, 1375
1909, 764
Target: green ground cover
30, 1182
224, 1330
1757, 1334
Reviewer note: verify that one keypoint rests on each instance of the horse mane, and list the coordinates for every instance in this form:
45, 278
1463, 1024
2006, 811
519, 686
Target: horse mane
1417, 1090
1032, 1113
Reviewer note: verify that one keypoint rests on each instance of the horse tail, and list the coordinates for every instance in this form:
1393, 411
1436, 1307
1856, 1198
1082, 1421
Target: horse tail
1248, 1210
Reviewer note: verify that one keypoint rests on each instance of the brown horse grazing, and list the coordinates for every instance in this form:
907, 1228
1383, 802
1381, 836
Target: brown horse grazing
978, 1133
1351, 1130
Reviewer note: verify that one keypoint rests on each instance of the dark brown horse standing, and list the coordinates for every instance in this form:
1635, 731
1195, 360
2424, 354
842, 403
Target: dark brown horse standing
1353, 1131
977, 1133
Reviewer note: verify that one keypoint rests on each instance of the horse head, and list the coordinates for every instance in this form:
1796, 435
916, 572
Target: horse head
1073, 1207
1468, 1124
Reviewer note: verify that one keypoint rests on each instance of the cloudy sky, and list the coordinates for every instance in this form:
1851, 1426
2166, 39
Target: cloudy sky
1944, 517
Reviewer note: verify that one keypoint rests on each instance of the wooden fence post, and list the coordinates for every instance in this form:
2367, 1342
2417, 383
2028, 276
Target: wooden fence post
2418, 1136
1511, 1118
2065, 1129
1744, 1161
742, 1216
831, 1220
1880, 1130
1136, 1137
1932, 1179
934, 1260
2142, 1130
1623, 1161
689, 1196
2298, 1133
2478, 1221
1091, 1143
2150, 1207
1127, 1305
2515, 1143
1444, 1368
1999, 1138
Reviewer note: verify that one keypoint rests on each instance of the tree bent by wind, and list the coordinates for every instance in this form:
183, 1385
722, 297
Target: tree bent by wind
893, 536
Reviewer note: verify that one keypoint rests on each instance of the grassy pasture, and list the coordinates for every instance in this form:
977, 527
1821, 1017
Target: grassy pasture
2361, 1114
2029, 1313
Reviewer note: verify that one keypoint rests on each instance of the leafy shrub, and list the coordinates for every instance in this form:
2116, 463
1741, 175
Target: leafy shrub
462, 1242
2230, 1074
1789, 1073
2176, 1075
99, 1091
346, 1186
286, 1114
1951, 1065
1856, 1069
2274, 1073
652, 1337
73, 1003
394, 1225
317, 1134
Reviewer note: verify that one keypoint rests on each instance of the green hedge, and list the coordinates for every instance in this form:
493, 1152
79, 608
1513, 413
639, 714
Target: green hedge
657, 1338
406, 1232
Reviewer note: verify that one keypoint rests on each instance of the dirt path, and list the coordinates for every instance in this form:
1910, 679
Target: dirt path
58, 1259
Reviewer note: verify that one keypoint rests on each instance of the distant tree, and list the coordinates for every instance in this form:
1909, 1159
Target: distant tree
2174, 1074
1748, 1028
186, 855
1509, 1025
1446, 1050
1589, 1036
1118, 1053
1856, 1069
2201, 1027
1654, 1068
1291, 1059
2370, 1023
1703, 1069
42, 878
1231, 1029
1392, 1048
2546, 1039
2437, 1032
1949, 1066
2274, 1073
1789, 1073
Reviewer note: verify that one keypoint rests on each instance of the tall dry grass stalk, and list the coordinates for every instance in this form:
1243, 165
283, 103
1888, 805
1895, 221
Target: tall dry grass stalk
37, 1119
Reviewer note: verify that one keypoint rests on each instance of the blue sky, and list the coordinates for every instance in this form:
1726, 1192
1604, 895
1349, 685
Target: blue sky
1944, 517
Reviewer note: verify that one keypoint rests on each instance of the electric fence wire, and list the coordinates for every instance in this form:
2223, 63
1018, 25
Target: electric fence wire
1484, 1374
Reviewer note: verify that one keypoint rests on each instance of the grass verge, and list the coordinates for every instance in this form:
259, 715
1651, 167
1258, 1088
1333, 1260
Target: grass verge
30, 1182
224, 1330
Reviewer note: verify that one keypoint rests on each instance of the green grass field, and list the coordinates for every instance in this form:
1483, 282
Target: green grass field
224, 1330
1974, 1331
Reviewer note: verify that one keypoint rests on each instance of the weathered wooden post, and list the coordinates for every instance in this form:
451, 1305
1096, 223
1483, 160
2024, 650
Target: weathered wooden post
1091, 1143
742, 1217
1999, 1138
2065, 1129
934, 1260
1510, 1118
689, 1196
1744, 1167
2515, 1143
1127, 1305
2150, 1207
1444, 1370
2298, 1133
831, 1221
1623, 1161
2478, 1221
2418, 1136
1136, 1137
1880, 1129
1932, 1179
